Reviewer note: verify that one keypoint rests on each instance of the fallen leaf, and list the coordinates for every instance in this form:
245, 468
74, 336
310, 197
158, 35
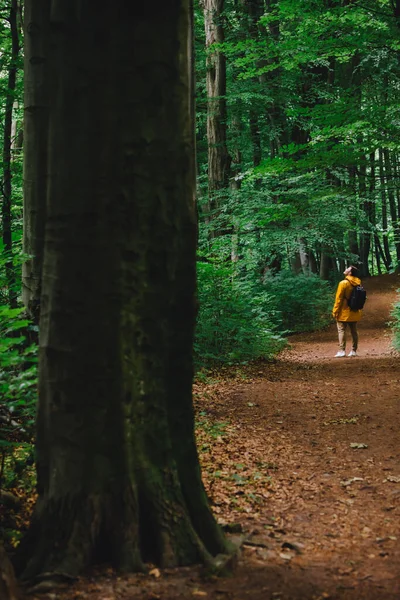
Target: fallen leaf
358, 446
155, 572
348, 482
296, 546
393, 479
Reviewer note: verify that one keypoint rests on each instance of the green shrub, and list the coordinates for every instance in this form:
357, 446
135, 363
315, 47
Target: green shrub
299, 302
18, 361
18, 383
234, 324
396, 323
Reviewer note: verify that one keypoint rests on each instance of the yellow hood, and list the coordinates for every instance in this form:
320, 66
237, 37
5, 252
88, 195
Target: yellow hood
353, 280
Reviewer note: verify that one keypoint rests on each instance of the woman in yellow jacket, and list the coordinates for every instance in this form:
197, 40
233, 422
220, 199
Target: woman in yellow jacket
342, 313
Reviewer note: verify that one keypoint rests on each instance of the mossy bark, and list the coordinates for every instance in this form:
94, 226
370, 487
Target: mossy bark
118, 472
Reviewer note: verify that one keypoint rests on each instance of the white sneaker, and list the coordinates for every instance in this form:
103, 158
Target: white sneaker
340, 354
352, 353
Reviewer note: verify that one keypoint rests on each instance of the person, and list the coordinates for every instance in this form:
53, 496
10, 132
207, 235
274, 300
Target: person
342, 313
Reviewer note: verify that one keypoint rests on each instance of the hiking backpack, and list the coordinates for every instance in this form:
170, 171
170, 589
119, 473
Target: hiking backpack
357, 298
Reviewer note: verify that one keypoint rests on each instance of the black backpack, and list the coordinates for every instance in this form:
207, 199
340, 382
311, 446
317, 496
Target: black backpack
357, 298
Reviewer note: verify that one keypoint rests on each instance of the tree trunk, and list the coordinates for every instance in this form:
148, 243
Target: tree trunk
118, 472
312, 262
7, 174
397, 189
36, 114
387, 256
394, 216
379, 254
365, 235
8, 585
255, 137
304, 257
352, 233
218, 156
325, 267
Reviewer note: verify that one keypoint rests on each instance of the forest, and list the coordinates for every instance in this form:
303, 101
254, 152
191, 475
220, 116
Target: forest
183, 185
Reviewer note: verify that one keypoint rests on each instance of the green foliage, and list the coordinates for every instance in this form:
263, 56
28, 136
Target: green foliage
313, 86
18, 384
300, 302
233, 324
18, 392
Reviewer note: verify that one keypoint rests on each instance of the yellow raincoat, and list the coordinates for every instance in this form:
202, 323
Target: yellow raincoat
341, 310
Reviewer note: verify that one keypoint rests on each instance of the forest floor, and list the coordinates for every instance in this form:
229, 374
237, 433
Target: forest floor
301, 457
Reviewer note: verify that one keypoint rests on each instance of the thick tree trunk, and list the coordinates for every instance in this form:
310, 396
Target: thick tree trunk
218, 157
118, 472
7, 174
36, 114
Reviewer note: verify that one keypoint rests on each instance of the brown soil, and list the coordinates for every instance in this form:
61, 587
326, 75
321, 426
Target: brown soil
303, 455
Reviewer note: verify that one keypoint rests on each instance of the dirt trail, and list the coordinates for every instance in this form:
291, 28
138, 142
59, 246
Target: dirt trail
329, 526
304, 457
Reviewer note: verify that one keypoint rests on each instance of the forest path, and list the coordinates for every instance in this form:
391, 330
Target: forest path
327, 524
320, 517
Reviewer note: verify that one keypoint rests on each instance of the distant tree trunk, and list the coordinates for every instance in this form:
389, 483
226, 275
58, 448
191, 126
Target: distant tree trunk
313, 262
117, 466
396, 184
255, 137
379, 254
325, 266
7, 143
36, 115
367, 206
394, 215
352, 233
386, 249
218, 157
295, 263
304, 257
235, 184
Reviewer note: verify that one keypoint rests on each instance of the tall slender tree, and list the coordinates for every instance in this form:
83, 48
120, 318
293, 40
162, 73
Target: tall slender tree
218, 157
7, 144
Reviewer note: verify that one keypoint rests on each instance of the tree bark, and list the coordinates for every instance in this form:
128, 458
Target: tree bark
386, 256
218, 157
352, 233
8, 584
325, 266
367, 206
304, 256
394, 216
36, 115
7, 173
255, 137
118, 471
